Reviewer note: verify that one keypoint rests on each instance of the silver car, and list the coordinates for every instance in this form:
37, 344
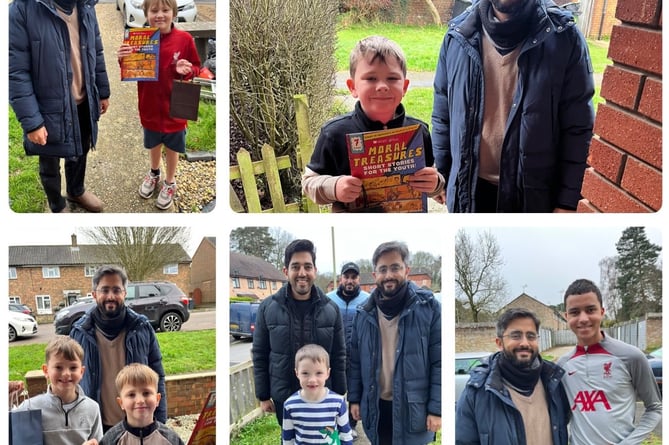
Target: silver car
464, 363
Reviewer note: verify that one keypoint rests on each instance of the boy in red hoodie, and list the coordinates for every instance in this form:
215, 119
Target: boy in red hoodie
178, 59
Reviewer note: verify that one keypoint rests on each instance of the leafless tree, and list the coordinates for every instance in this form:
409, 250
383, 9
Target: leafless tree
480, 286
140, 250
608, 277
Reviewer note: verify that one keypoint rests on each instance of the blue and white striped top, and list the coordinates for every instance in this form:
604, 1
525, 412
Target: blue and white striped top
322, 422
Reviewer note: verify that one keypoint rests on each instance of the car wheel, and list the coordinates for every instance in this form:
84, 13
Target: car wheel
12, 333
170, 322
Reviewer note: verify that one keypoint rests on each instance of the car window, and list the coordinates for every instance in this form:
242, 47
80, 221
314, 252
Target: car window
130, 293
464, 365
148, 290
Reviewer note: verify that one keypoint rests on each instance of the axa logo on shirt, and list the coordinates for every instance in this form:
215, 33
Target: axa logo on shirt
589, 400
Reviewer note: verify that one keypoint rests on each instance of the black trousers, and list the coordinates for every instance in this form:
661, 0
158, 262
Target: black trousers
75, 167
385, 428
486, 196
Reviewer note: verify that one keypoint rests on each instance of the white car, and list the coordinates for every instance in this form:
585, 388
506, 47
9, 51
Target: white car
133, 15
21, 325
464, 363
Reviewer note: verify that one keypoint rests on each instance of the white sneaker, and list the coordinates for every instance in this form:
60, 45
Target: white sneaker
148, 185
166, 196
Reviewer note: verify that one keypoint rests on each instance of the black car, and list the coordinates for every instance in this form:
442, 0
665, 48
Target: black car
655, 361
18, 307
163, 303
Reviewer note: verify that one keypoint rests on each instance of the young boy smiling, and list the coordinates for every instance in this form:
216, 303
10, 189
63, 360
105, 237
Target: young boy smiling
68, 416
314, 414
378, 80
138, 397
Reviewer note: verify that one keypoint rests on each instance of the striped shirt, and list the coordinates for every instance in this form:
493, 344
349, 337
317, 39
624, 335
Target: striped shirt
322, 422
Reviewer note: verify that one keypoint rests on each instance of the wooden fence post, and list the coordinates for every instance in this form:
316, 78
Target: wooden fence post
305, 146
249, 181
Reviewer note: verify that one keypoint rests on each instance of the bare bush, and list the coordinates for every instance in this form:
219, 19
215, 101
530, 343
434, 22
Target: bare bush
279, 48
366, 11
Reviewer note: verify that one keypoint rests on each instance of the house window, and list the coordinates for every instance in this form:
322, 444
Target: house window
43, 304
16, 300
89, 271
262, 284
12, 273
50, 272
250, 283
235, 283
171, 269
273, 285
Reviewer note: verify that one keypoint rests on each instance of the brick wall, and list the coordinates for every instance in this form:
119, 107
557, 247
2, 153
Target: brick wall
625, 173
203, 272
603, 18
475, 337
186, 393
416, 12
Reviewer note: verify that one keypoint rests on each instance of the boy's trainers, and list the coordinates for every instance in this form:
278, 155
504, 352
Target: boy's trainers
147, 186
166, 196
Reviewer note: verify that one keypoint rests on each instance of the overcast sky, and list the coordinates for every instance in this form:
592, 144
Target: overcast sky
543, 261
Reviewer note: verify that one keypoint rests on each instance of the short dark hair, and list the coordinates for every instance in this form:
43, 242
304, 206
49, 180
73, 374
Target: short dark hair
512, 314
391, 246
109, 270
580, 287
299, 245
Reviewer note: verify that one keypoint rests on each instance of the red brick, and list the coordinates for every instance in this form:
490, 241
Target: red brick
584, 206
651, 99
630, 133
644, 12
606, 159
643, 182
607, 198
637, 47
621, 86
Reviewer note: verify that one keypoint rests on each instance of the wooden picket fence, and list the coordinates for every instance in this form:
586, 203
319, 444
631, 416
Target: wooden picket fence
270, 165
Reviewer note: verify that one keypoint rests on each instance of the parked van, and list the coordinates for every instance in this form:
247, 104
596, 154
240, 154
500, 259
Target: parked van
243, 319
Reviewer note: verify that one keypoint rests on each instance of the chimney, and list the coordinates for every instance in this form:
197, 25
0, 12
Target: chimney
74, 240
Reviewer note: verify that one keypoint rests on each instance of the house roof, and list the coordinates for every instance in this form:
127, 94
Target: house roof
247, 266
368, 278
524, 295
68, 255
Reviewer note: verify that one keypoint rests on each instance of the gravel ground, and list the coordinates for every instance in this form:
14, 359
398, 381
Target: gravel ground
183, 425
119, 163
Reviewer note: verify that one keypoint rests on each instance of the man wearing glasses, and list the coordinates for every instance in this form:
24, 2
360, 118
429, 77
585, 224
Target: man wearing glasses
395, 373
113, 336
514, 397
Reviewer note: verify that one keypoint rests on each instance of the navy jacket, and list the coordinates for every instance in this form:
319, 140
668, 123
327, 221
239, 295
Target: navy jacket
549, 127
40, 74
485, 413
141, 346
417, 376
279, 334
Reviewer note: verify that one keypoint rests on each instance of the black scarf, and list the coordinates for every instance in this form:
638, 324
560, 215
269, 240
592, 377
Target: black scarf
509, 34
109, 326
522, 379
392, 306
66, 5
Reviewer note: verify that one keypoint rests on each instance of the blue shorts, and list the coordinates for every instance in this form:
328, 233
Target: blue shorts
174, 141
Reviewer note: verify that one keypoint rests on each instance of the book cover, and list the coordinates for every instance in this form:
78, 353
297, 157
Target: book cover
142, 64
383, 160
204, 432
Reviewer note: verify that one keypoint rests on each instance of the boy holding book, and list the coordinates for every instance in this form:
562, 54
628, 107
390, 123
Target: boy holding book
378, 80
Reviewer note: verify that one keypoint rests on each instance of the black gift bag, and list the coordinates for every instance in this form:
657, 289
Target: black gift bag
25, 427
185, 100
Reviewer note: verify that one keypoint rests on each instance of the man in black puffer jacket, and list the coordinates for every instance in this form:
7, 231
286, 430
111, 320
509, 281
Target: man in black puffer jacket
298, 314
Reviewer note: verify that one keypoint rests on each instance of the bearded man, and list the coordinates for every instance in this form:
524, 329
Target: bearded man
514, 397
114, 336
394, 378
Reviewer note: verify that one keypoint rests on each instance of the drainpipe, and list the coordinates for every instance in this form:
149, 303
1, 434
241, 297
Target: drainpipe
601, 21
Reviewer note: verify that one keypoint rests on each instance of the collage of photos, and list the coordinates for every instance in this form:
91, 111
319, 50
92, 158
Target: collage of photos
328, 328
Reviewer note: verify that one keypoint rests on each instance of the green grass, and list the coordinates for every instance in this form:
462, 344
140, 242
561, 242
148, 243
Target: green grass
420, 43
201, 135
265, 431
418, 103
183, 352
25, 189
